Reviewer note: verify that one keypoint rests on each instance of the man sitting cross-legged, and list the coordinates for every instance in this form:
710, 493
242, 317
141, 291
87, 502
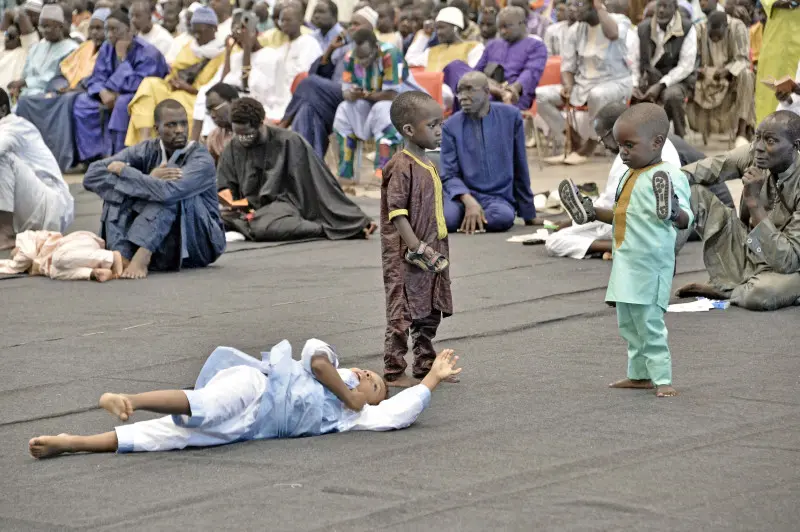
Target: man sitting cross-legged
484, 164
160, 208
752, 259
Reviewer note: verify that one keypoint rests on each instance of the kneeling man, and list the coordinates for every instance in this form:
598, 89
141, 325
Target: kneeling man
160, 207
484, 164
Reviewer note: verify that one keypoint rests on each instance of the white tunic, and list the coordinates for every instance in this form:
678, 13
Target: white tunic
160, 38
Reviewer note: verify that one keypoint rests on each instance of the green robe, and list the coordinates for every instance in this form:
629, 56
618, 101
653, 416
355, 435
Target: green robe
644, 245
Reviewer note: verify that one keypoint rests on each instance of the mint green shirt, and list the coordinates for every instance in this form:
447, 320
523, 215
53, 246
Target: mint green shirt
44, 64
643, 246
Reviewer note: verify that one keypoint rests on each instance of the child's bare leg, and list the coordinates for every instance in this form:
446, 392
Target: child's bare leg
50, 446
161, 402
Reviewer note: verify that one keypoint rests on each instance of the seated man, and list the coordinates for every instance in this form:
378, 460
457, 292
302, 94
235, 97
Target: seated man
218, 107
667, 62
44, 59
484, 165
514, 62
325, 18
374, 74
276, 36
17, 37
52, 113
141, 15
160, 207
276, 186
194, 66
266, 73
450, 48
752, 259
556, 33
724, 93
594, 73
101, 113
33, 195
487, 20
313, 105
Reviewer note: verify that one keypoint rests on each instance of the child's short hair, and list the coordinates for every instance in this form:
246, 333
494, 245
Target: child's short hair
648, 118
406, 108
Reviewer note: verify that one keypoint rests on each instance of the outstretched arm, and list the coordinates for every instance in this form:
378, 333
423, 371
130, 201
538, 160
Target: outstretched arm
404, 408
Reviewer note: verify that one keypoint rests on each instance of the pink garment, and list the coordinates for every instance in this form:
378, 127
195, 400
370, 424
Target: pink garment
71, 257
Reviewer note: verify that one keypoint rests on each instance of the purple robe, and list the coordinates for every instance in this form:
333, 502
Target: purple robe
97, 134
522, 61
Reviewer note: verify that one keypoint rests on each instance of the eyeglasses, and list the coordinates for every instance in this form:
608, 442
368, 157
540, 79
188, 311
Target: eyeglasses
217, 107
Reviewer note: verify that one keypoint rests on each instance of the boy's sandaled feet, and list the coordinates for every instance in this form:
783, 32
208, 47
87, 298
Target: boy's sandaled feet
117, 404
427, 259
403, 381
48, 446
579, 207
634, 384
665, 390
662, 187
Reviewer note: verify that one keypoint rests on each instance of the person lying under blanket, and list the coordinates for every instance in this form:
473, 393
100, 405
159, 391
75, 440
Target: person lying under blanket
239, 398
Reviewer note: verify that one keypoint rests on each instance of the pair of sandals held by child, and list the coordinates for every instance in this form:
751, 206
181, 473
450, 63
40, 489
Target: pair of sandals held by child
426, 258
581, 209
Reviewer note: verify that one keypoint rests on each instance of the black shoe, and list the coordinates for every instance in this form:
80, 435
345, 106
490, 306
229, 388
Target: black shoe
579, 207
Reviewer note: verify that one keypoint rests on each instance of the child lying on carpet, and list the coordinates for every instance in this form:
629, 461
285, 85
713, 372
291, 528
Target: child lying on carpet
77, 256
239, 398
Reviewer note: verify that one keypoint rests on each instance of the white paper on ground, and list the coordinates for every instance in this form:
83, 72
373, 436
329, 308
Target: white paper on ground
234, 236
701, 305
539, 236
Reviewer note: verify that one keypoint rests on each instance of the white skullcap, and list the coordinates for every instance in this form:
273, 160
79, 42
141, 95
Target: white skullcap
194, 7
33, 5
369, 14
451, 15
52, 12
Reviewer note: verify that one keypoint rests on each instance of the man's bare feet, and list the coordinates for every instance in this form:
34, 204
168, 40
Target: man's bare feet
49, 446
404, 381
117, 404
638, 384
137, 268
102, 275
665, 390
699, 290
118, 265
369, 229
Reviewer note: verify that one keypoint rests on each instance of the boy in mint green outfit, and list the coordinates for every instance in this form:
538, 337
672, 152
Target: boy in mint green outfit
653, 199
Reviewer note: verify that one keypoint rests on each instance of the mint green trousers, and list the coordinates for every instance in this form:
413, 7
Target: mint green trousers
642, 326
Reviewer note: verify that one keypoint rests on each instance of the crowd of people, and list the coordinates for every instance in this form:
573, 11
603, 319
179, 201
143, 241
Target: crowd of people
197, 124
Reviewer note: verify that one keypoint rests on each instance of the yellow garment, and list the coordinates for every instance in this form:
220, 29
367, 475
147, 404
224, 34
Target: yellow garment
153, 91
274, 37
780, 49
756, 35
79, 64
393, 37
441, 55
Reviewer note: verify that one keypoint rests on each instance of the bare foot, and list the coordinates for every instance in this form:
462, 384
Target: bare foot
403, 382
369, 229
607, 256
117, 404
699, 290
639, 384
137, 268
102, 275
118, 265
49, 446
665, 390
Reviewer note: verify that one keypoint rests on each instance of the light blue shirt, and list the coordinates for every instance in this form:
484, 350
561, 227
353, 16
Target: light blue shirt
325, 40
44, 64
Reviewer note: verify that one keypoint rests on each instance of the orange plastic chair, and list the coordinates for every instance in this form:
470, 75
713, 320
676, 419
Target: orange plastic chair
431, 82
416, 70
297, 79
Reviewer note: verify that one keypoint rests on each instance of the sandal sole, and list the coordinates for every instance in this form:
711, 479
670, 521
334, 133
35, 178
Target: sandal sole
571, 202
662, 188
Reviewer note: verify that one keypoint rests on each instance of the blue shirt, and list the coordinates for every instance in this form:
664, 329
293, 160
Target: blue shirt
487, 156
325, 40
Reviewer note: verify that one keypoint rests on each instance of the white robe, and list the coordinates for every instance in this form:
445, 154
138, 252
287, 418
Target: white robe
160, 38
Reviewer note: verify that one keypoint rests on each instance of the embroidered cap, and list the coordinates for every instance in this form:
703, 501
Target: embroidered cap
369, 14
52, 12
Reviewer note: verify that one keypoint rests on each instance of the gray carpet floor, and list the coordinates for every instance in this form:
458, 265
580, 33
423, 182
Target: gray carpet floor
532, 439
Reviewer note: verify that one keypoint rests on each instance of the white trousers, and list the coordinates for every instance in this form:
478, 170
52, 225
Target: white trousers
222, 412
574, 241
